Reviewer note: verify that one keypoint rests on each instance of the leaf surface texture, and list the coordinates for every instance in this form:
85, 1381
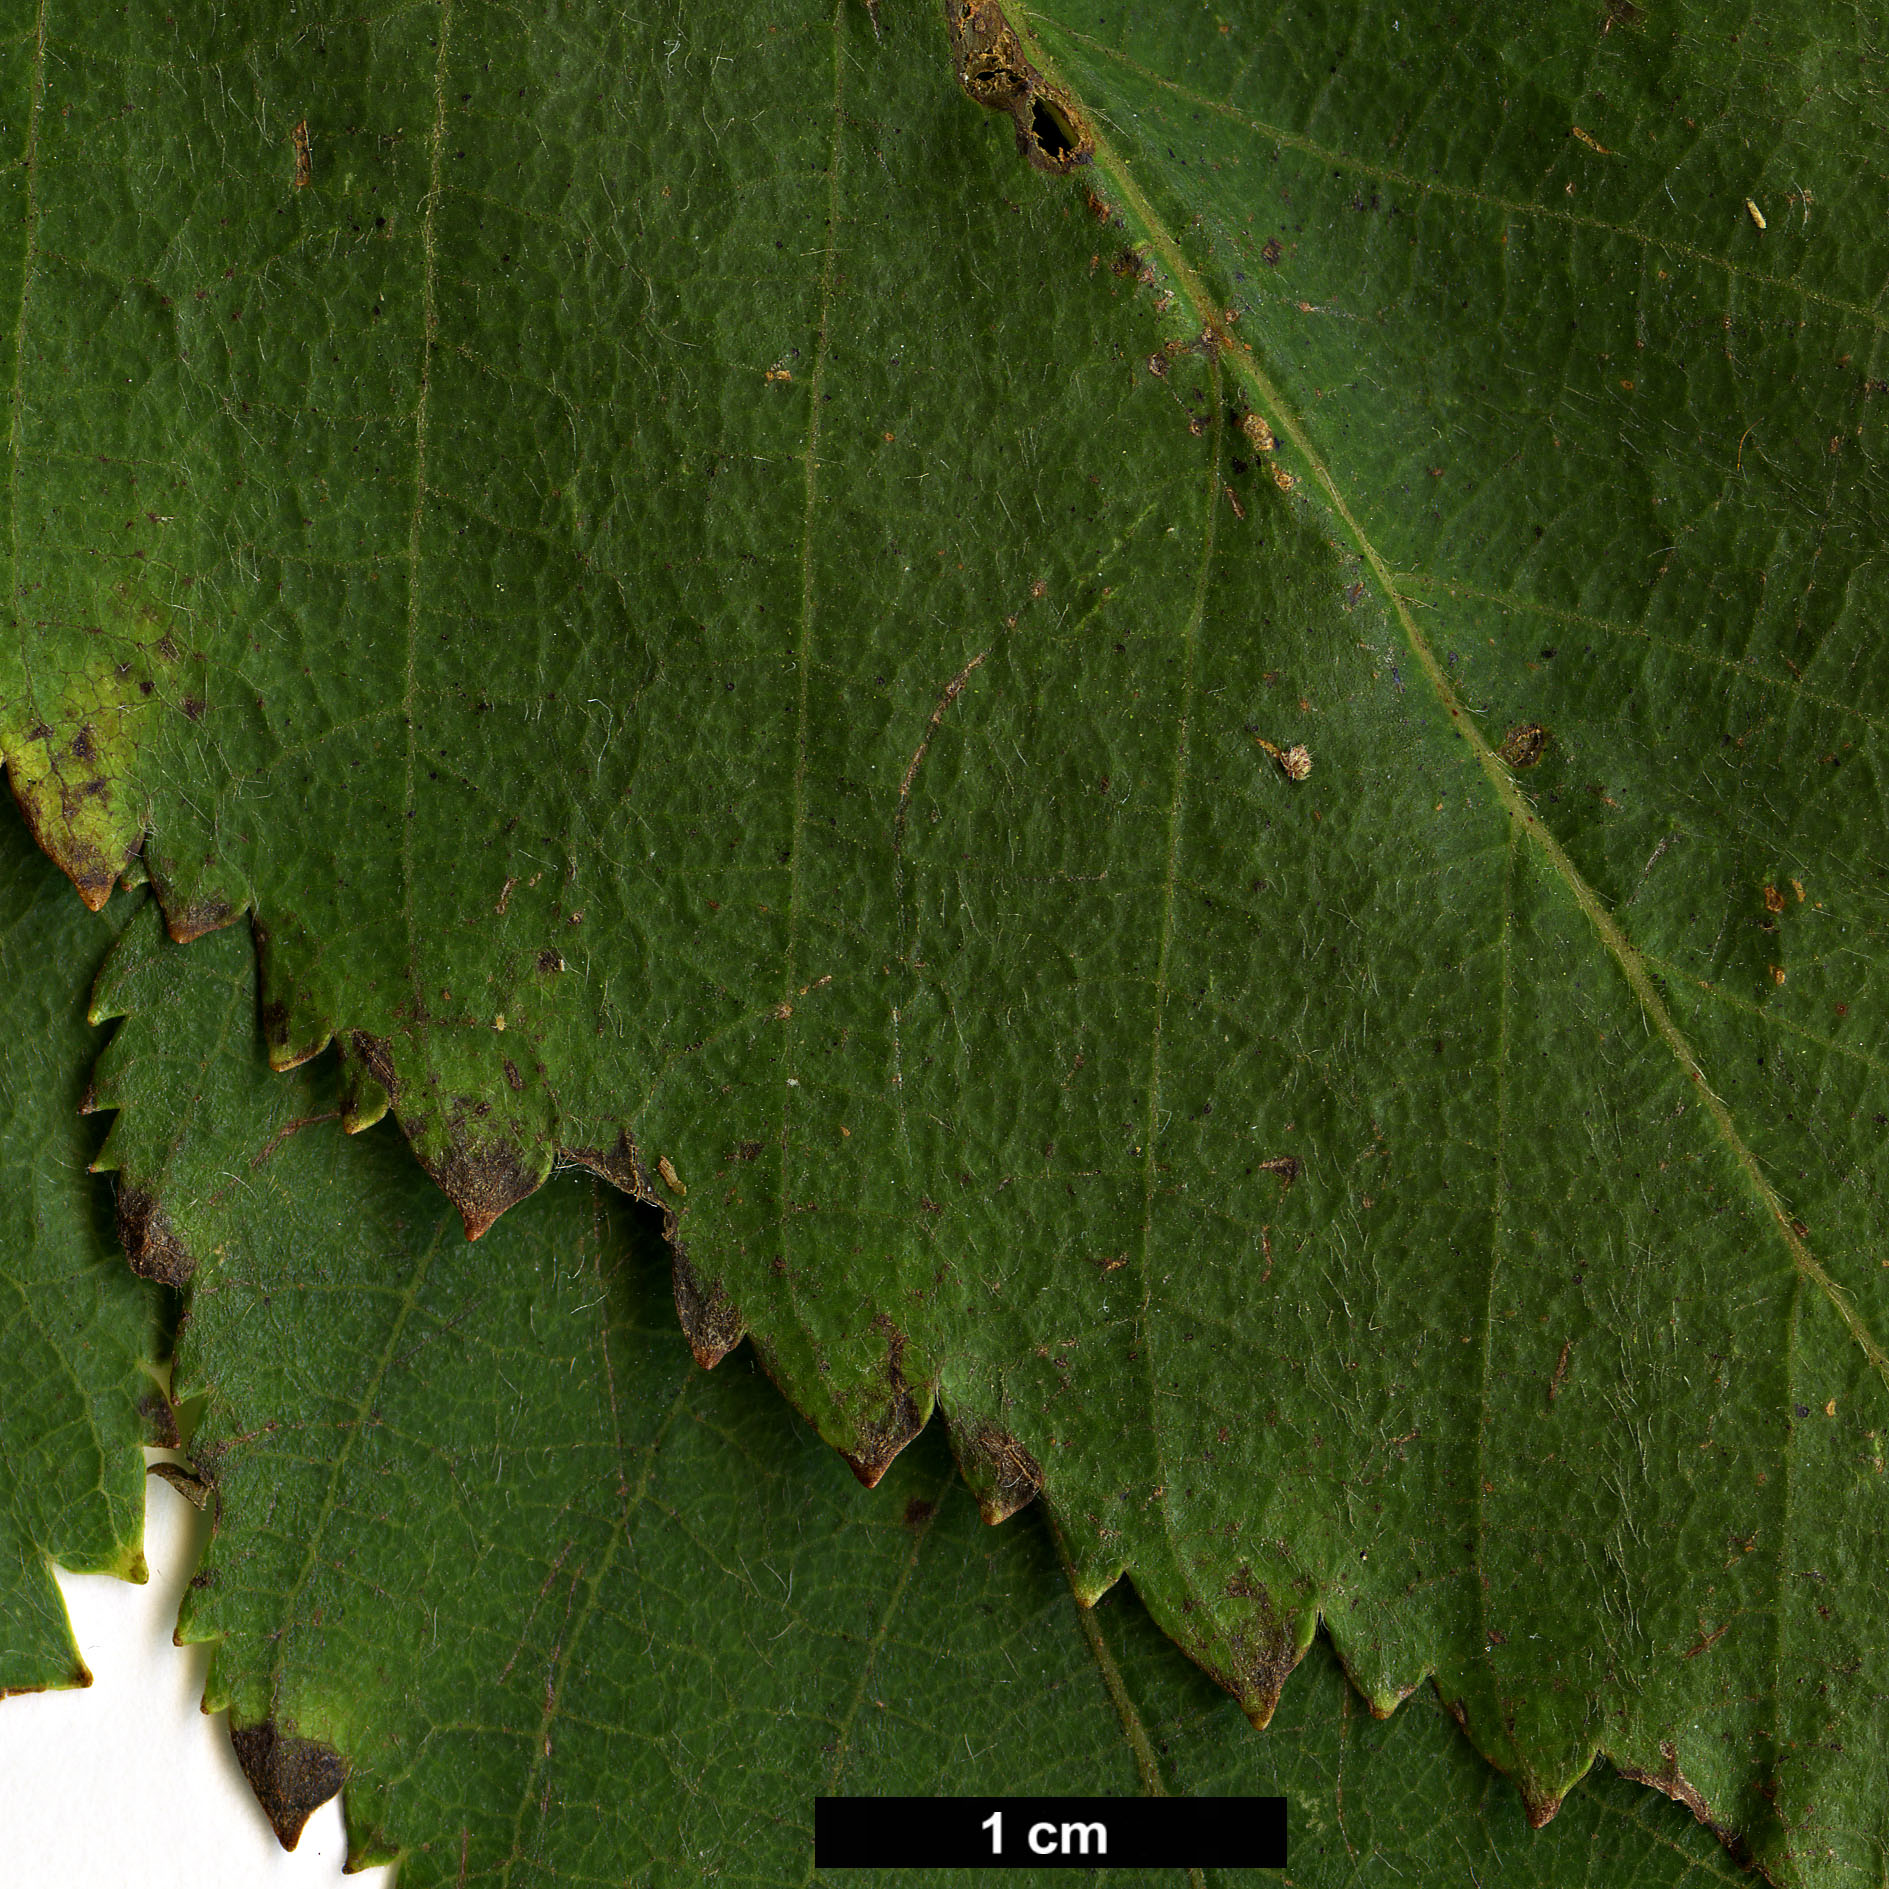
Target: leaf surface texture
729, 630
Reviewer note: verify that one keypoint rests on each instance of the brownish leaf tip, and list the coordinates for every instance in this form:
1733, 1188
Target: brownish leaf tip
1540, 1810
193, 1489
198, 919
896, 1421
881, 1443
1001, 1473
709, 1318
1253, 1658
292, 1777
481, 1181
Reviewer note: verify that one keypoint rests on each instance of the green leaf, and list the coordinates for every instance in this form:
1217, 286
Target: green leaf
79, 1337
664, 533
561, 1604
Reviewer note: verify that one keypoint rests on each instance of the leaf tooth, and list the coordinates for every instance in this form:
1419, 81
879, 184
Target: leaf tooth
1001, 1473
292, 1777
1248, 1636
1093, 1568
366, 1074
872, 1414
881, 1436
710, 1319
482, 1176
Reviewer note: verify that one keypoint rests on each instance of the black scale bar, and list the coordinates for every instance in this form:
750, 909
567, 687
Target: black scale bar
1049, 1832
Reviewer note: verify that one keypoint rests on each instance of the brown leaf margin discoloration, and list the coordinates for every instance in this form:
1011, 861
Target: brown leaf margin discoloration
292, 1777
1255, 1661
481, 1179
1673, 1783
904, 1414
710, 1319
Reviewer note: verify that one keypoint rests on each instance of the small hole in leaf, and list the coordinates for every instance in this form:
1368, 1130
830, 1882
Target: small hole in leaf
1055, 136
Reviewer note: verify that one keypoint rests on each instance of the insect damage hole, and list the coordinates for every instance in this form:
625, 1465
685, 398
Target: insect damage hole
995, 73
1055, 137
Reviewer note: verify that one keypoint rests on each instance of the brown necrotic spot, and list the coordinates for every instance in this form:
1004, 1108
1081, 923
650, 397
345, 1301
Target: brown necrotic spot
150, 1241
292, 1777
1524, 744
1286, 1166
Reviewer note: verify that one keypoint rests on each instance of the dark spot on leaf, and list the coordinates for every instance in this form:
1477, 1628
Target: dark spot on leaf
150, 1241
995, 73
202, 916
918, 1512
1524, 744
160, 1420
373, 1052
275, 1022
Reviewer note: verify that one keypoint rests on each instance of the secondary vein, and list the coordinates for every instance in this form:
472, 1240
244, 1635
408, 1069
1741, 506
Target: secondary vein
803, 646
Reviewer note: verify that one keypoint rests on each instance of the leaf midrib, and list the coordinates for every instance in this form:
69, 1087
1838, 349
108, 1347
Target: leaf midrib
1287, 425
1462, 193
